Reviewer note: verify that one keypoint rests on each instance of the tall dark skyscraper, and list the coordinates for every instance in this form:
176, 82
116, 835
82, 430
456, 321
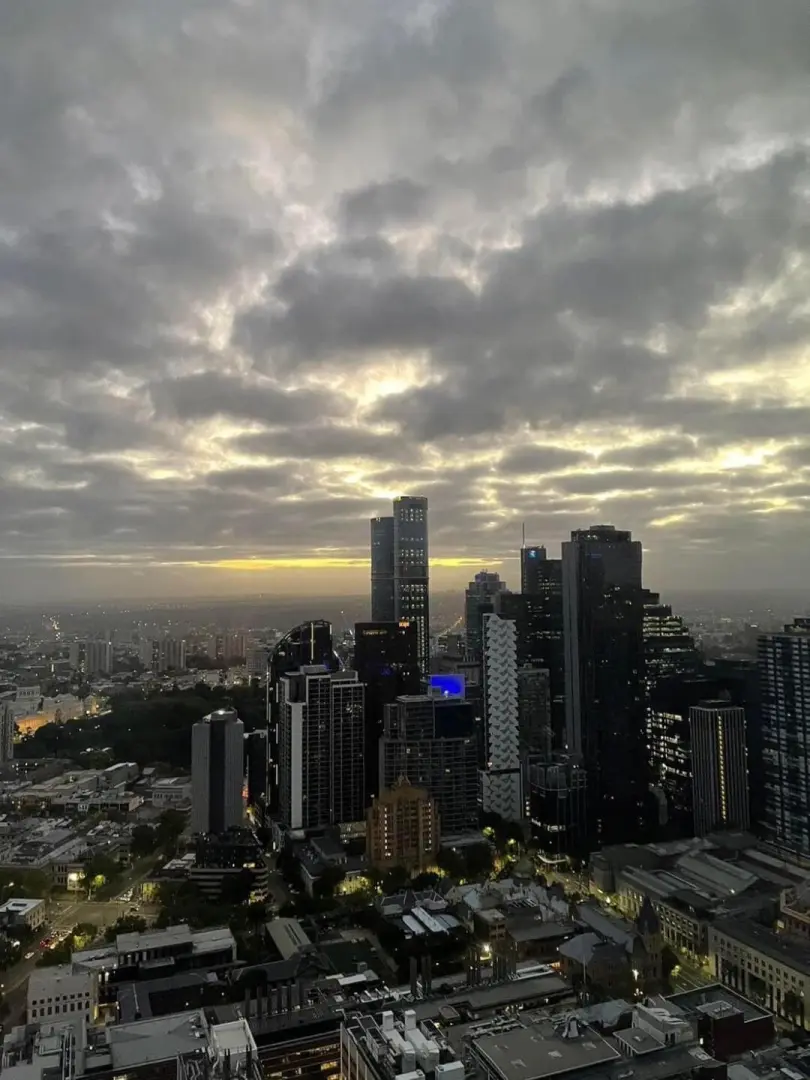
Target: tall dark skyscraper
532, 556
478, 601
382, 569
386, 660
540, 637
411, 571
604, 673
784, 672
719, 767
217, 772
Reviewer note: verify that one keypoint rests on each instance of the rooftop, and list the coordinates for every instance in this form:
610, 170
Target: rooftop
527, 1053
709, 999
793, 954
156, 1039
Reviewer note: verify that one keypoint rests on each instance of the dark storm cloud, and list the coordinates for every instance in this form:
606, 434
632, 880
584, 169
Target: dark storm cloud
261, 265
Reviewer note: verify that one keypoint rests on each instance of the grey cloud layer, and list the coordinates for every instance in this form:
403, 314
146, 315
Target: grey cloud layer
262, 266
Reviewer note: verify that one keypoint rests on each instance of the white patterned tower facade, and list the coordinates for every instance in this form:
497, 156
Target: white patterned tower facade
501, 779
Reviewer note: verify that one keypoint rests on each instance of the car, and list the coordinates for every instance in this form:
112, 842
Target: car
45, 942
30, 955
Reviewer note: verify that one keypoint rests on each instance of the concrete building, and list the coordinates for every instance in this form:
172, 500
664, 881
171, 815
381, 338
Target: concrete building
479, 599
256, 662
501, 778
21, 912
321, 748
61, 991
403, 828
91, 658
719, 767
217, 772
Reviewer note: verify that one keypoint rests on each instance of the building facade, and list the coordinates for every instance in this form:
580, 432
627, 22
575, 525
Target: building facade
719, 767
164, 654
604, 676
432, 742
501, 777
411, 571
217, 772
321, 748
386, 660
91, 657
784, 673
403, 828
8, 730
532, 556
382, 570
479, 599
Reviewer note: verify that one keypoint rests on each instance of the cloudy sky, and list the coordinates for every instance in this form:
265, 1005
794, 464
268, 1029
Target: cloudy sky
264, 265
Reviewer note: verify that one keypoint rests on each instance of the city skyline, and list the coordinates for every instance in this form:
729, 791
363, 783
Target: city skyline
296, 262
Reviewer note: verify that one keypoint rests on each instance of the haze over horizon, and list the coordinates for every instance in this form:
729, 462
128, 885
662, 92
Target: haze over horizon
265, 267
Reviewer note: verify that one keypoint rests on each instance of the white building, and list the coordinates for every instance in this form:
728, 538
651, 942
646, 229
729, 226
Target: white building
91, 657
217, 772
170, 791
62, 992
321, 748
256, 662
501, 779
22, 912
163, 654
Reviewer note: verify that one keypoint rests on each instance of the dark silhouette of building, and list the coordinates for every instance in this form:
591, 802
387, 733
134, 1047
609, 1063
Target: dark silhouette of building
531, 558
719, 767
256, 767
479, 599
382, 569
604, 671
386, 660
217, 772
738, 679
556, 797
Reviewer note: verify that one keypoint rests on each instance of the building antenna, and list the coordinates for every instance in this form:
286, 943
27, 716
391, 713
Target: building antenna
523, 541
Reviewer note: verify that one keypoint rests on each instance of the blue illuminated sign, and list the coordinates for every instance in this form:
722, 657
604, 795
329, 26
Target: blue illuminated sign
451, 685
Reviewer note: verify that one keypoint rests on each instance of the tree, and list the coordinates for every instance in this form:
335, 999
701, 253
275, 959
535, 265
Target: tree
236, 888
478, 861
99, 870
395, 879
452, 863
170, 827
428, 879
329, 881
144, 841
127, 924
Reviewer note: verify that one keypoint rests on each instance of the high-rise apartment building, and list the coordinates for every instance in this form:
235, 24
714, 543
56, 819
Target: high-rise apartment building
309, 644
501, 776
382, 570
532, 556
604, 675
669, 648
386, 660
432, 742
321, 748
719, 767
91, 658
411, 571
784, 671
8, 729
534, 712
227, 647
556, 801
403, 828
256, 768
164, 654
479, 599
217, 772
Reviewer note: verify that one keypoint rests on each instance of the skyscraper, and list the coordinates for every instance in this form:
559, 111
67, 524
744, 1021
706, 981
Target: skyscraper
540, 639
256, 761
532, 556
387, 663
163, 654
432, 742
478, 601
402, 828
321, 748
91, 657
604, 676
501, 778
784, 671
382, 569
719, 769
308, 644
217, 772
411, 571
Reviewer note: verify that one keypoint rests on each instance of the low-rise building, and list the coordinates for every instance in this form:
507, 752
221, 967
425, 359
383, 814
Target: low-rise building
62, 991
21, 912
170, 791
175, 948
